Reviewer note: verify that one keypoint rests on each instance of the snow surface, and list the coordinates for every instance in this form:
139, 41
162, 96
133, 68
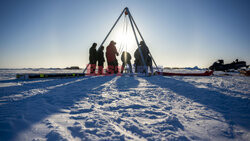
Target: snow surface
124, 107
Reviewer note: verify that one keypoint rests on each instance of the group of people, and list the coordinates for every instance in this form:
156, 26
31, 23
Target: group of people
111, 53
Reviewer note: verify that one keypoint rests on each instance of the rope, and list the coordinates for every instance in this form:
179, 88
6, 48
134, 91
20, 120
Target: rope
124, 44
126, 39
123, 29
125, 32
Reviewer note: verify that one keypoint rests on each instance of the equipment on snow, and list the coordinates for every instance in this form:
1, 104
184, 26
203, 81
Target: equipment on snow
48, 75
207, 73
220, 66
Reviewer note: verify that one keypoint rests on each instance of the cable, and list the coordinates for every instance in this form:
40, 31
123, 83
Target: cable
123, 29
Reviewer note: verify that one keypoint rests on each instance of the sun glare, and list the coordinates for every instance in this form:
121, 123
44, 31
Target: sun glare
125, 40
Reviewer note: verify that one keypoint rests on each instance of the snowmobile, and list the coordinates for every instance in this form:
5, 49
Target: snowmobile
220, 66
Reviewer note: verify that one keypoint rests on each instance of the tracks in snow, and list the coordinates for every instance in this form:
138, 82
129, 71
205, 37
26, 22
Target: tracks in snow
127, 108
132, 108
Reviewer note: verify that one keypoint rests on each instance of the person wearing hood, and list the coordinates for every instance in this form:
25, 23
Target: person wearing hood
92, 58
144, 50
139, 65
100, 59
137, 61
146, 56
111, 53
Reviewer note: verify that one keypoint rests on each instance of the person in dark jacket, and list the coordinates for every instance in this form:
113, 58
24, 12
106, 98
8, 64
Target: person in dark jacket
126, 57
149, 64
92, 58
100, 59
139, 64
145, 51
111, 54
146, 56
137, 61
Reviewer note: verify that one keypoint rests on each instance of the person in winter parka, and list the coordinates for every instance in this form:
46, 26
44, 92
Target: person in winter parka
137, 61
139, 64
145, 51
100, 59
149, 64
126, 57
146, 56
111, 54
92, 57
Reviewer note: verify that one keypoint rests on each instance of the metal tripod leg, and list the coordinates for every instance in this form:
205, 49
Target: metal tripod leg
144, 42
144, 63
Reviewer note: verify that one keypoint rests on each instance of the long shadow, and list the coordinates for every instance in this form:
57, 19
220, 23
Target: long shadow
235, 110
18, 116
124, 83
229, 91
216, 88
6, 91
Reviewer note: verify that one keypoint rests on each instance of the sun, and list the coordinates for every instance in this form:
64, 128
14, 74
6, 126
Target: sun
125, 40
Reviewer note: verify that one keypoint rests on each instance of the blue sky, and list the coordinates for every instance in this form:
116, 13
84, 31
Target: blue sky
179, 33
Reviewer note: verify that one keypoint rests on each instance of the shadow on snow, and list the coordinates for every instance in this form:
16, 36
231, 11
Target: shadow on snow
235, 110
31, 84
19, 115
124, 83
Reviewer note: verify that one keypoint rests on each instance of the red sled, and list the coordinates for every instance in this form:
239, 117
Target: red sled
207, 73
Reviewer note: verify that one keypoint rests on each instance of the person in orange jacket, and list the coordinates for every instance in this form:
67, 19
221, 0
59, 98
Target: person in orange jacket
111, 54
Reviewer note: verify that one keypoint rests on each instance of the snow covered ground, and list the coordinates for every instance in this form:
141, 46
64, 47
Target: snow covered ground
124, 107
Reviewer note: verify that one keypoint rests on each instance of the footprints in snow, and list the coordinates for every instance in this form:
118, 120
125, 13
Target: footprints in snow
113, 112
120, 112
